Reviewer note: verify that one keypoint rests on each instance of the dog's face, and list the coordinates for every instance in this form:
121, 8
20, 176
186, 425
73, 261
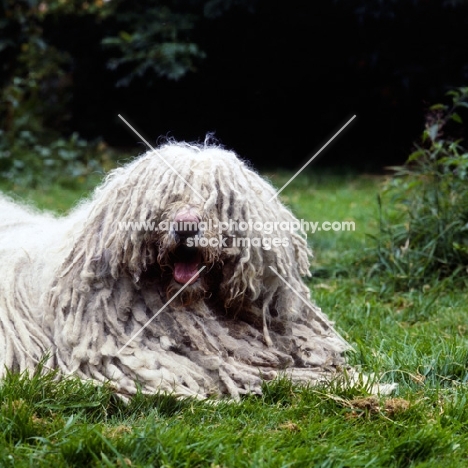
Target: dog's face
186, 258
192, 254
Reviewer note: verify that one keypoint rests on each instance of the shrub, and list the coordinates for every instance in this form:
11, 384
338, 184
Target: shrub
424, 207
37, 142
36, 93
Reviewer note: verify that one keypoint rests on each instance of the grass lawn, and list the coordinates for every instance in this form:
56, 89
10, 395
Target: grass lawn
416, 338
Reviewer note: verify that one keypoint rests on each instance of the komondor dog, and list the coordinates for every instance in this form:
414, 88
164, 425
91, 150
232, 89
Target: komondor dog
166, 280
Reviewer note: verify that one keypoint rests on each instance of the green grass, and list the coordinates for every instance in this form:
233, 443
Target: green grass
416, 338
329, 197
51, 197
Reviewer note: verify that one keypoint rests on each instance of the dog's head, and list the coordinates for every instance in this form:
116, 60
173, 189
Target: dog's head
191, 217
188, 255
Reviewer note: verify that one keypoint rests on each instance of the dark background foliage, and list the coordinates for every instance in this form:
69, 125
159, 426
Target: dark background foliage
272, 79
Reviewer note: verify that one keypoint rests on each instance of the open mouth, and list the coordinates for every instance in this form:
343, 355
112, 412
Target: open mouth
186, 264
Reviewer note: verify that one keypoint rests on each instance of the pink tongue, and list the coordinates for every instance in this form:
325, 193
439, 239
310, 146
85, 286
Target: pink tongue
184, 271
